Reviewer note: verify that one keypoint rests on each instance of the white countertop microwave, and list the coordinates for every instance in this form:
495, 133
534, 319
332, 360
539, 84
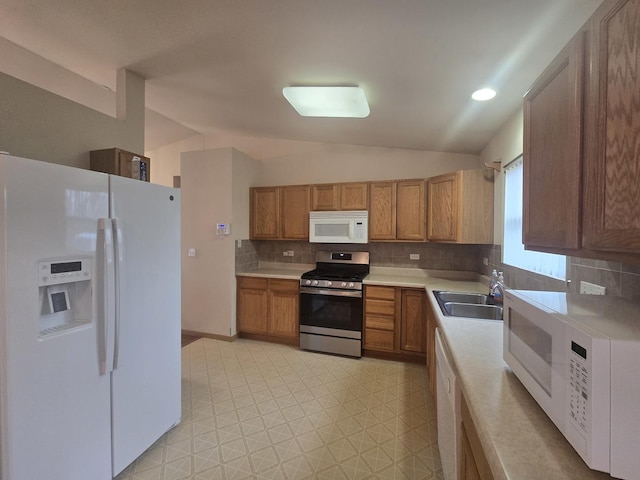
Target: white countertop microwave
579, 357
339, 227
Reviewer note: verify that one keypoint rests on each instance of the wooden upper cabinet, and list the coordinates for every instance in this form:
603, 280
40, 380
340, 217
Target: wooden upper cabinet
295, 212
410, 210
581, 155
397, 210
340, 196
279, 213
354, 196
442, 208
325, 197
612, 131
553, 151
382, 211
460, 207
264, 213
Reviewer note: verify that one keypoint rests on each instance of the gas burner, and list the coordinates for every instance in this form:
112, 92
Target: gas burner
338, 270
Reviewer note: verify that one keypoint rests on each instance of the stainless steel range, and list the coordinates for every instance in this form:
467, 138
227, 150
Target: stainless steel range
331, 303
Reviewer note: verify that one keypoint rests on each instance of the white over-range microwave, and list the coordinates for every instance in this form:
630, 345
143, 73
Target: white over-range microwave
339, 227
579, 357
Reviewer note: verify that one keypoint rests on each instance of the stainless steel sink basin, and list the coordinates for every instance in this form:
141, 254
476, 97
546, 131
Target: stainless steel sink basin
473, 310
460, 297
469, 305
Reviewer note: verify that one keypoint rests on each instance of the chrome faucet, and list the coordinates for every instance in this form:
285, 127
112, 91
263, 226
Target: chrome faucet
497, 290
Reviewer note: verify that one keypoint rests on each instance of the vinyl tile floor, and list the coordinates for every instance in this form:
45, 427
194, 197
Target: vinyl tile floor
256, 410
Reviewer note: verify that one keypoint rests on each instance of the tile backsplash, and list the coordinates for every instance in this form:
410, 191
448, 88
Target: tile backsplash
620, 280
431, 256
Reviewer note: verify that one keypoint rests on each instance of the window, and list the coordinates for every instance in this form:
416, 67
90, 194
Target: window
513, 252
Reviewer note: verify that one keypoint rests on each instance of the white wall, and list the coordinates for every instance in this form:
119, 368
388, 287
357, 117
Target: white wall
211, 180
35, 123
505, 146
288, 162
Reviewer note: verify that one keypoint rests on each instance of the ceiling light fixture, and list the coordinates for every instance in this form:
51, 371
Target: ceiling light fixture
345, 102
483, 94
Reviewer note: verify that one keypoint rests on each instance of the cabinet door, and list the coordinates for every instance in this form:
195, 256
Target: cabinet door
354, 196
443, 207
284, 305
612, 153
410, 210
325, 197
252, 305
468, 467
553, 151
295, 212
265, 213
413, 328
382, 211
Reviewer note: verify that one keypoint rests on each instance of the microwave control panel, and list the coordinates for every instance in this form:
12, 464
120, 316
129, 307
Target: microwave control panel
579, 381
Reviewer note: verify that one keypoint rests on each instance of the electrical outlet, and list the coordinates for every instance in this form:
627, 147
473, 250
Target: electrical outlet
414, 256
191, 252
592, 289
485, 261
285, 253
290, 252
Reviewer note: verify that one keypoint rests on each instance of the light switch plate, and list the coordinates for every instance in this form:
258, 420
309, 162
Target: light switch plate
592, 289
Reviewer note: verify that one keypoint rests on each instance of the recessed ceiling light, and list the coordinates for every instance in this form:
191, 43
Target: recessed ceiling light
483, 94
328, 101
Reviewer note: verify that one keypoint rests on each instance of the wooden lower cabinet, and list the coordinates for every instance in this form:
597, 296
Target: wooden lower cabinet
413, 328
473, 462
268, 307
394, 321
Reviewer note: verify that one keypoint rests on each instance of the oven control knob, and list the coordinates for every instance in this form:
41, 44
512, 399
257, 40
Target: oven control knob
343, 284
308, 282
315, 282
351, 285
329, 284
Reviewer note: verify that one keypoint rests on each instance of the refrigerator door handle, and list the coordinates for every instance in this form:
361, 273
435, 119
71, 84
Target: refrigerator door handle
118, 251
105, 293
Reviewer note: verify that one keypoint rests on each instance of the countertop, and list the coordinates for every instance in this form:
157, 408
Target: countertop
519, 440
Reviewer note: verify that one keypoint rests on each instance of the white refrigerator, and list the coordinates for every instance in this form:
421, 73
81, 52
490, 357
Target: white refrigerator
90, 320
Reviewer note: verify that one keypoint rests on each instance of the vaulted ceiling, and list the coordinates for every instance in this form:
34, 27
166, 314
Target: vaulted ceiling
220, 65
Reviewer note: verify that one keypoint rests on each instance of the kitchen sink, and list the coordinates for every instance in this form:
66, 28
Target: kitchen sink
469, 305
473, 310
460, 297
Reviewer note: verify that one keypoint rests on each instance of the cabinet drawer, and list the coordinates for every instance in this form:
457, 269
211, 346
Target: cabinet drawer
380, 307
379, 322
385, 293
284, 285
378, 340
253, 282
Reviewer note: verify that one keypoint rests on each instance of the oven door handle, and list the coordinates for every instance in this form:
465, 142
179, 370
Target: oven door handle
331, 293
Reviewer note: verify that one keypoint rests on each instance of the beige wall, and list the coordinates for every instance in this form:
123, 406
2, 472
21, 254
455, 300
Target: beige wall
505, 146
287, 162
41, 125
212, 183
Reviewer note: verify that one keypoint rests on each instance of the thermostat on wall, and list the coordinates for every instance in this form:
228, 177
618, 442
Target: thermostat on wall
223, 229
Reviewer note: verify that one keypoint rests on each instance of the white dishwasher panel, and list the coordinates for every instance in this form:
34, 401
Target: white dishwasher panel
448, 408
